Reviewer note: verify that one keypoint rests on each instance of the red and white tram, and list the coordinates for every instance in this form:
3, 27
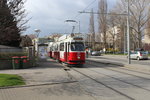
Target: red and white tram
69, 49
49, 49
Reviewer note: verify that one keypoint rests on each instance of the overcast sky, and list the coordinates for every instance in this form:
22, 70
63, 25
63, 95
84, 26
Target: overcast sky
49, 15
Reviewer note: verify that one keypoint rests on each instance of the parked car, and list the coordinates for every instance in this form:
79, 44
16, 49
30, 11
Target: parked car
139, 55
95, 53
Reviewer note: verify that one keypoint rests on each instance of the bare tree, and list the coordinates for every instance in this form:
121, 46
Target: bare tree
118, 20
102, 21
25, 41
138, 19
92, 29
148, 23
111, 36
147, 35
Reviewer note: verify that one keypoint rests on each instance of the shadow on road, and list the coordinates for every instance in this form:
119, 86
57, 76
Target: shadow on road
47, 64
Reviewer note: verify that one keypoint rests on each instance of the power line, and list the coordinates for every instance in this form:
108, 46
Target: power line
89, 5
77, 15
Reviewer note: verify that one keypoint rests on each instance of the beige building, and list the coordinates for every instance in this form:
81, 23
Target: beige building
113, 37
147, 36
146, 40
113, 34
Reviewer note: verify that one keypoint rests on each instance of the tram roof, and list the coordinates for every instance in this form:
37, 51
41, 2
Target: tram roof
69, 37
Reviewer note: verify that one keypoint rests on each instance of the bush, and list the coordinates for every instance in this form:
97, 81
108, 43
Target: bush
9, 55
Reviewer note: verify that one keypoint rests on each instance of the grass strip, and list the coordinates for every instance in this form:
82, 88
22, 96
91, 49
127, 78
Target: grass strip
10, 80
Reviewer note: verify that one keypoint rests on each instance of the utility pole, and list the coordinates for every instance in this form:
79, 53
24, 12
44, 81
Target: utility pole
125, 39
128, 34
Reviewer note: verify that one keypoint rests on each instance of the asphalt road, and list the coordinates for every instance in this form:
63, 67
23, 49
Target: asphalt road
121, 59
93, 81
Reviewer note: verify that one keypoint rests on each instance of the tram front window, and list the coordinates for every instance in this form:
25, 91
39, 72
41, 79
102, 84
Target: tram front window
77, 46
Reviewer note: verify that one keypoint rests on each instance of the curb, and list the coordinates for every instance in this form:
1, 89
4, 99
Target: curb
22, 86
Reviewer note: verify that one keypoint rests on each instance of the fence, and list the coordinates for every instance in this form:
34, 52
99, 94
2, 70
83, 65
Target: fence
9, 49
5, 53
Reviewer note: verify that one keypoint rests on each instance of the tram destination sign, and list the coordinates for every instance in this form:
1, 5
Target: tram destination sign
78, 38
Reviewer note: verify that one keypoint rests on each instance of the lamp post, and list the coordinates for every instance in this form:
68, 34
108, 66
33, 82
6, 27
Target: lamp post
37, 36
37, 44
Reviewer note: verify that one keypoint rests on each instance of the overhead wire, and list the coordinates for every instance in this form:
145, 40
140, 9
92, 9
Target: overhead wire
89, 5
86, 8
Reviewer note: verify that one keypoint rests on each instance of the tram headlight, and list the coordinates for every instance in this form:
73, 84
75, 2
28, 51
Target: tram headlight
78, 57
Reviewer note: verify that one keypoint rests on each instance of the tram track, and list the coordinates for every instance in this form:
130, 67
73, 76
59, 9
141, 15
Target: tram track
134, 70
147, 91
120, 80
99, 82
120, 92
114, 69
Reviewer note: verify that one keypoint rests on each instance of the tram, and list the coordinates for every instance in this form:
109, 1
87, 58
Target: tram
49, 49
68, 49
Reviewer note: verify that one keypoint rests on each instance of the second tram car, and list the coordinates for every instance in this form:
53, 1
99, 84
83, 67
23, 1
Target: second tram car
49, 49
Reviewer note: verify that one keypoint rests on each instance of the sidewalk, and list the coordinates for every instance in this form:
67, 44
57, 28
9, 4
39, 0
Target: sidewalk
115, 62
49, 81
46, 72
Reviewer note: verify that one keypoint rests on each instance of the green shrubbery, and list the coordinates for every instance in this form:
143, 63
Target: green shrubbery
9, 55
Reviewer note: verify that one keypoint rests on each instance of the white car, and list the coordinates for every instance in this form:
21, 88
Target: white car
95, 53
139, 55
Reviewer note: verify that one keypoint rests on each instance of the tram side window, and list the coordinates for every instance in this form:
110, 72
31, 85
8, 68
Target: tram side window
56, 47
62, 47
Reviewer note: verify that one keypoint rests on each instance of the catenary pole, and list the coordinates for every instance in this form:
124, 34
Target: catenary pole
128, 34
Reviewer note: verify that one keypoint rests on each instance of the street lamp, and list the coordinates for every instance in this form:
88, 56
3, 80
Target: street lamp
37, 44
38, 32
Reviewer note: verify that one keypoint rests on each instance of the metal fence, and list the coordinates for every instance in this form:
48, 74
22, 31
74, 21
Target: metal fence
9, 49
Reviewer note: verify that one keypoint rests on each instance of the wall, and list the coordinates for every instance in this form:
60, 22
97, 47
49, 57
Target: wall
5, 64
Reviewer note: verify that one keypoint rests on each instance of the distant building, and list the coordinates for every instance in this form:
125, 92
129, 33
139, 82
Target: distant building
113, 35
146, 36
54, 37
146, 40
